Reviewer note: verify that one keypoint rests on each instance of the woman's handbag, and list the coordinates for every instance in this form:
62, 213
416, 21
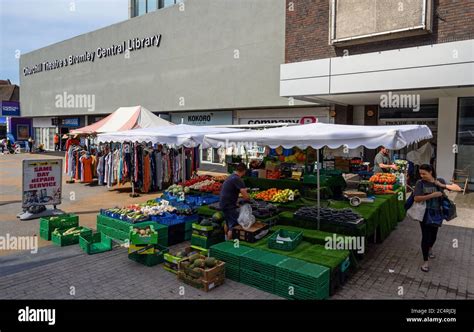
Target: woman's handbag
434, 217
417, 211
449, 208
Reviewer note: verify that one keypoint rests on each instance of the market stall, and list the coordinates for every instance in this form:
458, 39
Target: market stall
83, 154
319, 135
152, 159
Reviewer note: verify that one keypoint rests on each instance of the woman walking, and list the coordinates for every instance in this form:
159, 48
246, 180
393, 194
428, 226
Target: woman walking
430, 190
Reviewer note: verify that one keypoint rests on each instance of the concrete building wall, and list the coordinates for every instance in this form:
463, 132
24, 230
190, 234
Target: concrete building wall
213, 55
307, 29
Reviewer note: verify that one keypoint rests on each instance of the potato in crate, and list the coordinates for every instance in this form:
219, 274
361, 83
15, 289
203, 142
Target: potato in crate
143, 235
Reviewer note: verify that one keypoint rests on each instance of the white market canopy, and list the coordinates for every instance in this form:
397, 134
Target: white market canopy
178, 135
124, 118
319, 135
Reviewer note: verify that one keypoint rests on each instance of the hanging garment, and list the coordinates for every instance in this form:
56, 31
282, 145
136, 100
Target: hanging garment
146, 174
100, 170
86, 174
69, 165
120, 167
110, 172
159, 170
116, 164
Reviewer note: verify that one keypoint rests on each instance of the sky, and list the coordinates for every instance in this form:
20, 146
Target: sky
27, 25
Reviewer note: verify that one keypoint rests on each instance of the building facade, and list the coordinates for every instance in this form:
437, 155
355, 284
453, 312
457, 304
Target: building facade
388, 62
201, 62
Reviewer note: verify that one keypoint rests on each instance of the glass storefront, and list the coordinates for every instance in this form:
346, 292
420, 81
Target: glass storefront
45, 136
213, 155
465, 136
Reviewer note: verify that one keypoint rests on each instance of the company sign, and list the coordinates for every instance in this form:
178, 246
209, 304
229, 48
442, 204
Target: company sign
10, 108
99, 53
298, 120
42, 182
203, 118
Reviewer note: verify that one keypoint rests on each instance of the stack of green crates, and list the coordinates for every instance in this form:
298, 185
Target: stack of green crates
188, 230
273, 273
63, 222
231, 255
120, 230
296, 279
257, 268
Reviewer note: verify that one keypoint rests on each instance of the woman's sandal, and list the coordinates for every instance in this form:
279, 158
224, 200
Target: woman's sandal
431, 256
425, 269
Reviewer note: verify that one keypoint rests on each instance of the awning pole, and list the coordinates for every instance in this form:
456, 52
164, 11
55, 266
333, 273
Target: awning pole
319, 187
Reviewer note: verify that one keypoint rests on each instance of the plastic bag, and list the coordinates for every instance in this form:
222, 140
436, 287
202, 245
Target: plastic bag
246, 218
417, 211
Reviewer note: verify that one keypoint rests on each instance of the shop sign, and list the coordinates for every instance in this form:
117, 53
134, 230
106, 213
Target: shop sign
432, 123
10, 108
42, 182
99, 53
203, 118
70, 122
298, 120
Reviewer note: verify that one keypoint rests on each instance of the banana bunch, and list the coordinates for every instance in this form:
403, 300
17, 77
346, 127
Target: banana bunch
285, 195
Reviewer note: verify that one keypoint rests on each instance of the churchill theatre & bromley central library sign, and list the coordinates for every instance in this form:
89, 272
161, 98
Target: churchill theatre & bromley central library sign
100, 53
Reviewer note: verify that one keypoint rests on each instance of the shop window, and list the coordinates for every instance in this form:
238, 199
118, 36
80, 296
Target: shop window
167, 3
152, 5
213, 155
465, 136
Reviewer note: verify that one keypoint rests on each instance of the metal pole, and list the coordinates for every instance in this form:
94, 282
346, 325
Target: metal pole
319, 187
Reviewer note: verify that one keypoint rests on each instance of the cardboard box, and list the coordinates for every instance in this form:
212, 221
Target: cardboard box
201, 284
256, 232
206, 274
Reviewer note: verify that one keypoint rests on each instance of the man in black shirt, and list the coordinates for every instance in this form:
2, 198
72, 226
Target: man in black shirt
232, 187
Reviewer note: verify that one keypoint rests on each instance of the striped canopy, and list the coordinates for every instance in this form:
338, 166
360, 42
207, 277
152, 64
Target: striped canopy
124, 118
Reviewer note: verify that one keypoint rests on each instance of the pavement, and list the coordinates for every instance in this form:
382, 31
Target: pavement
390, 270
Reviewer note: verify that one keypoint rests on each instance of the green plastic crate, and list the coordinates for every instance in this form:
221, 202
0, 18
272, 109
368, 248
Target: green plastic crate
229, 253
67, 240
283, 269
95, 243
257, 280
188, 226
296, 238
113, 233
290, 291
232, 272
310, 276
204, 242
135, 238
188, 235
151, 259
49, 224
262, 262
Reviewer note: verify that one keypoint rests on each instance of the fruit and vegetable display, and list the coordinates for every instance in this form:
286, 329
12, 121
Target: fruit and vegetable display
329, 215
147, 231
177, 190
262, 209
202, 272
125, 214
140, 212
401, 164
383, 178
276, 195
196, 180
